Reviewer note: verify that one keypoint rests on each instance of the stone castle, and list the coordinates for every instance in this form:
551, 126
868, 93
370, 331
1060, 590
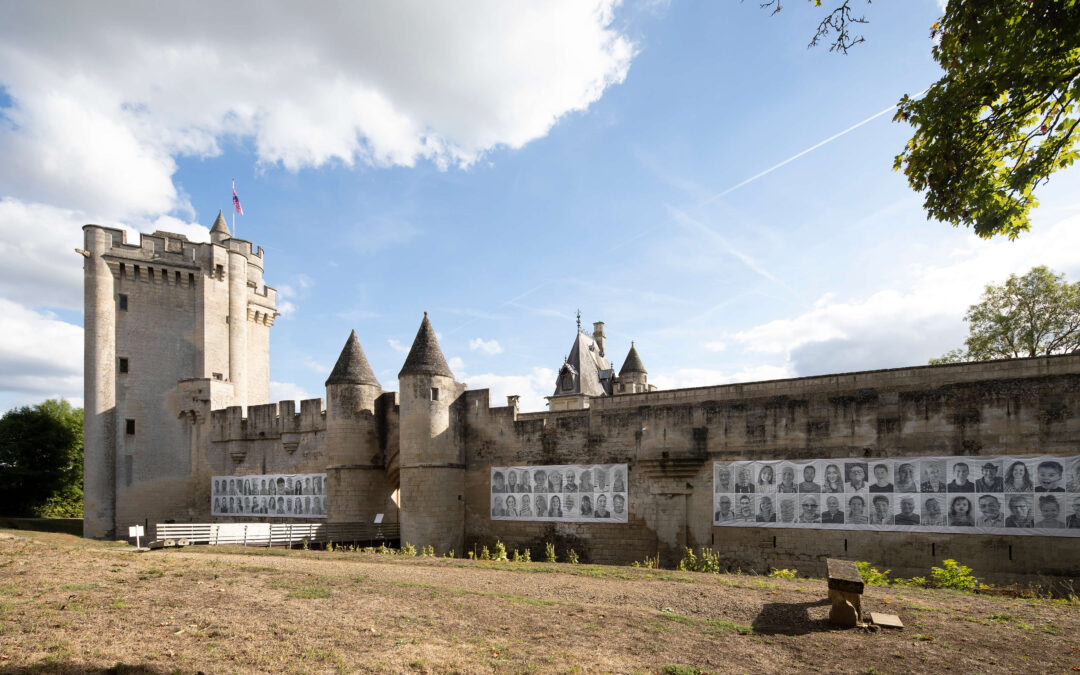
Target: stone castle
177, 392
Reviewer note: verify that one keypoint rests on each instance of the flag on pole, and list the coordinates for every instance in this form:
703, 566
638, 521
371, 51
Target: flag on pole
236, 202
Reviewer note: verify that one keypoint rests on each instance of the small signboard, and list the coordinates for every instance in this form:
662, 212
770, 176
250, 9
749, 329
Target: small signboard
136, 531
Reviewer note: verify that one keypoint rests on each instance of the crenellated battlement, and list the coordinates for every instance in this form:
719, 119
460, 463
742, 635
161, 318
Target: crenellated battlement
268, 421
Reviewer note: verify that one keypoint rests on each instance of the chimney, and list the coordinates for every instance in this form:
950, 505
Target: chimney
598, 335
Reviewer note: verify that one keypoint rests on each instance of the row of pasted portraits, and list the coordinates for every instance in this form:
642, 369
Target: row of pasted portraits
930, 474
1036, 495
307, 484
570, 493
307, 506
558, 479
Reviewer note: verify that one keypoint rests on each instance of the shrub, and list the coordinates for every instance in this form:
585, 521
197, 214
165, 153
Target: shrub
549, 552
783, 574
648, 563
871, 575
572, 557
408, 550
449, 554
484, 553
953, 575
526, 556
708, 561
689, 561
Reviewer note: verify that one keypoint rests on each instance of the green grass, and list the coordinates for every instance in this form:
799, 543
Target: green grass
724, 626
80, 587
310, 592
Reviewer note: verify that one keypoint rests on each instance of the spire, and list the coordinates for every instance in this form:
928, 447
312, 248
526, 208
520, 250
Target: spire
352, 366
219, 225
425, 357
632, 364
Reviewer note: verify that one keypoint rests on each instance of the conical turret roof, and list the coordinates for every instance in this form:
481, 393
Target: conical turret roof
425, 357
219, 224
352, 366
633, 363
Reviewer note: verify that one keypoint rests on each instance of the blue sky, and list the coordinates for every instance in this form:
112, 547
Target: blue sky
499, 165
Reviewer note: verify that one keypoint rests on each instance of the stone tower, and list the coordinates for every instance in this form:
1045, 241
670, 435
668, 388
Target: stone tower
173, 328
356, 480
633, 377
432, 454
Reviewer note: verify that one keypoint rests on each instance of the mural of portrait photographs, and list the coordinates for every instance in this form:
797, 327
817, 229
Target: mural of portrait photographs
298, 495
1037, 495
593, 493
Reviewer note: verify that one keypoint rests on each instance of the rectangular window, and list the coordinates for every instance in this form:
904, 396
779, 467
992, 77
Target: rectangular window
129, 427
191, 278
178, 278
220, 271
123, 364
434, 394
150, 274
123, 302
219, 376
123, 270
136, 272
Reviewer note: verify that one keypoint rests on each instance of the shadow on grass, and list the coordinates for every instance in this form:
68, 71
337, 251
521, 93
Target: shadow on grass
790, 618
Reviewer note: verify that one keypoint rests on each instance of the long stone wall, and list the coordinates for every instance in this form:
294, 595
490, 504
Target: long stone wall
670, 439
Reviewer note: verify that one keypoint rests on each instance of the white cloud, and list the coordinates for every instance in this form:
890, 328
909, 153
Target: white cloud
397, 346
891, 328
714, 346
286, 308
40, 355
485, 346
532, 388
315, 365
286, 391
457, 365
105, 98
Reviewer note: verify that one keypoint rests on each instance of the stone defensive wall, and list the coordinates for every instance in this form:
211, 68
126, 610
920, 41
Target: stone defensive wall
670, 439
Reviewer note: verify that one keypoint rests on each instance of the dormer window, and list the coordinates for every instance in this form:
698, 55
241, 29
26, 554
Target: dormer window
566, 380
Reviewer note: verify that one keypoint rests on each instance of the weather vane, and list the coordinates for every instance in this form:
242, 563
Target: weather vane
579, 321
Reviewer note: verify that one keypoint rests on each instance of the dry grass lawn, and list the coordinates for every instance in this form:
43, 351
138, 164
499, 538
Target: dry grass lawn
71, 605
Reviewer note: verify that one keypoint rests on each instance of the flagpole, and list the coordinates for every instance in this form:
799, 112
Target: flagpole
234, 210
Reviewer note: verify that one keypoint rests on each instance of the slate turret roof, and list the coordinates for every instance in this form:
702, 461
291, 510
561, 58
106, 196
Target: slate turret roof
591, 372
633, 363
425, 357
352, 366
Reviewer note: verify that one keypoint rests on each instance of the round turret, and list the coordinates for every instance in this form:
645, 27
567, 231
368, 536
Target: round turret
431, 456
633, 377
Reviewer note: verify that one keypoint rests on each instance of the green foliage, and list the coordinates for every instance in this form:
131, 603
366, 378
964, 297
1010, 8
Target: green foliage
427, 551
500, 551
383, 549
953, 575
1002, 118
683, 670
784, 574
649, 563
526, 556
572, 557
549, 552
871, 575
708, 561
484, 553
407, 550
1033, 315
41, 460
449, 554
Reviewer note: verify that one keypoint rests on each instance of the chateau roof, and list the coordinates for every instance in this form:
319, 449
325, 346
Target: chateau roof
633, 363
592, 372
352, 366
219, 224
425, 357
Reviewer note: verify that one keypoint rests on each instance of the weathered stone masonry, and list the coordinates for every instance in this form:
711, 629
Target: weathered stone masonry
195, 342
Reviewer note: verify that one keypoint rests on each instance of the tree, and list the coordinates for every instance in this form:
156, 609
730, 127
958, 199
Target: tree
1000, 121
41, 460
1033, 315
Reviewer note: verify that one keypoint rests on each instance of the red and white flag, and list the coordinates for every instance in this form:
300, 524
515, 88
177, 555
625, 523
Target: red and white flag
236, 202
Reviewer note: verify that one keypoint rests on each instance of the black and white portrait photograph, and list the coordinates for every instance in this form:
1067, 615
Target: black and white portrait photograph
566, 493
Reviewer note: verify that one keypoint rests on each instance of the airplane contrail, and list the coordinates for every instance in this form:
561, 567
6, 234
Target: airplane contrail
794, 157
